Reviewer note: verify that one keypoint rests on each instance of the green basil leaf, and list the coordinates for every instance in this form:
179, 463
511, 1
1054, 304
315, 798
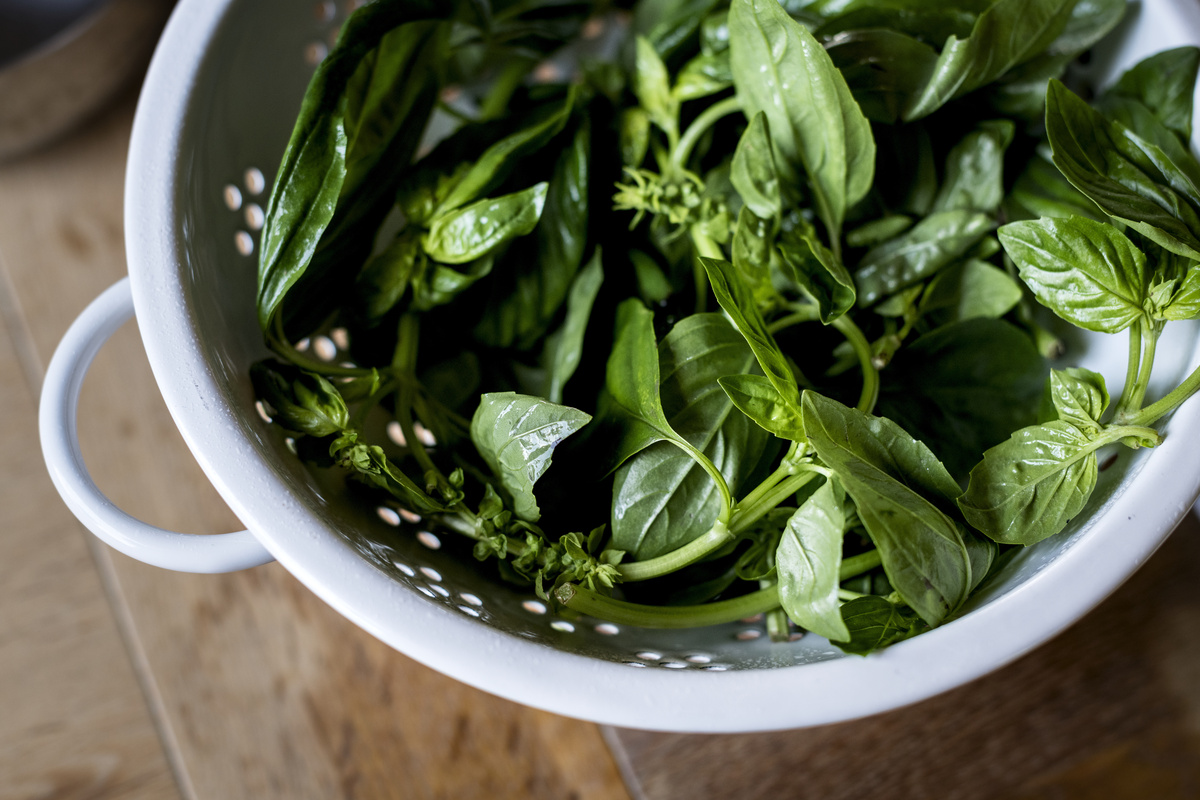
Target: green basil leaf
878, 230
1031, 486
438, 284
501, 158
1185, 303
782, 71
884, 69
738, 302
300, 401
807, 563
1079, 396
516, 435
706, 74
670, 24
634, 136
899, 489
974, 177
758, 399
1101, 167
964, 387
528, 292
662, 498
1008, 33
754, 254
1164, 83
313, 190
753, 172
567, 347
1042, 191
631, 379
933, 243
819, 272
653, 284
386, 277
1086, 272
873, 623
652, 85
466, 234
971, 289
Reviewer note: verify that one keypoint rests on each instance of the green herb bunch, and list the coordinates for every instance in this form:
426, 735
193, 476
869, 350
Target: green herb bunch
722, 324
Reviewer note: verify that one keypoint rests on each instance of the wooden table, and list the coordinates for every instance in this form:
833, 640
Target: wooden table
118, 680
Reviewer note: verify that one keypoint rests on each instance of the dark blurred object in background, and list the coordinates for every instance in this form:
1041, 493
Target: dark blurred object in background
61, 60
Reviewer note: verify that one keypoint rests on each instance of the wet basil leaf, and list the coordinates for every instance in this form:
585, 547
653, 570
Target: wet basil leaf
933, 243
817, 127
884, 69
1185, 303
466, 234
807, 562
1164, 83
386, 277
899, 489
565, 346
438, 284
1079, 396
971, 289
652, 85
662, 498
1086, 272
516, 435
819, 272
1042, 191
878, 230
704, 75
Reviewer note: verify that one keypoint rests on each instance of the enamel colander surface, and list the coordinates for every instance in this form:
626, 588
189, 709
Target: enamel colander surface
211, 126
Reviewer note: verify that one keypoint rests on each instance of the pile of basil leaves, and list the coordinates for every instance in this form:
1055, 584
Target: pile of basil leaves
724, 324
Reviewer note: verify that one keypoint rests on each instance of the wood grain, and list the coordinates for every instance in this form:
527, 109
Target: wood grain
1109, 710
263, 691
73, 722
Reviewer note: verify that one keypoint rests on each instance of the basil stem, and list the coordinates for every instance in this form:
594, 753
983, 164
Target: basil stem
706, 119
621, 612
716, 538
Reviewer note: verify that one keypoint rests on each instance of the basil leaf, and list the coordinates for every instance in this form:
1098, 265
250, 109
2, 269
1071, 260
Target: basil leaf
897, 486
438, 284
1042, 191
884, 69
300, 401
739, 304
466, 234
781, 70
1031, 486
964, 387
971, 289
1086, 272
653, 284
634, 136
974, 177
933, 243
754, 254
807, 562
873, 623
313, 189
1185, 303
878, 230
1007, 34
526, 295
819, 272
1101, 167
1079, 397
386, 277
662, 498
652, 85
706, 74
565, 347
1164, 83
758, 399
516, 435
753, 172
501, 158
669, 24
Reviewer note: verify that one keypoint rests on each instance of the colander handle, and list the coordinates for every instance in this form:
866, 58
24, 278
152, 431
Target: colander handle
57, 412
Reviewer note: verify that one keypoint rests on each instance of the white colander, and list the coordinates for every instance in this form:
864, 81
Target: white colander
215, 113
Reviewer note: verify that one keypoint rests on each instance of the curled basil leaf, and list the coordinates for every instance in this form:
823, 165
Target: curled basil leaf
466, 234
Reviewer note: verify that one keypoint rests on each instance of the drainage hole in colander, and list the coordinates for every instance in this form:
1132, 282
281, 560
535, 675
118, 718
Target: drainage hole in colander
715, 667
425, 590
254, 180
534, 606
431, 573
673, 665
255, 217
470, 612
649, 655
607, 629
699, 658
262, 411
233, 197
470, 599
388, 515
634, 664
563, 626
429, 540
324, 348
244, 243
440, 591
405, 568
748, 635
325, 11
396, 433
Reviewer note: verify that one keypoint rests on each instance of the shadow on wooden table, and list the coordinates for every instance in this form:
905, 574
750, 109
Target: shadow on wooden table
1110, 709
